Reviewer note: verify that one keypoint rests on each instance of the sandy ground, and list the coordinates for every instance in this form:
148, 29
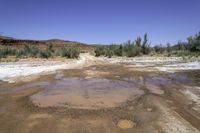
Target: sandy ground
12, 71
95, 95
164, 64
22, 69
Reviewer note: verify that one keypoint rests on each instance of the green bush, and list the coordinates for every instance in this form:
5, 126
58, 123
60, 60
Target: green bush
109, 51
182, 53
34, 51
69, 52
145, 45
131, 50
5, 51
31, 50
20, 53
194, 43
159, 49
45, 54
50, 47
100, 50
118, 51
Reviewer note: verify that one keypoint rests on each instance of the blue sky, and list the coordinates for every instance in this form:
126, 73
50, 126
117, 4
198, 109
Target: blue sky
100, 21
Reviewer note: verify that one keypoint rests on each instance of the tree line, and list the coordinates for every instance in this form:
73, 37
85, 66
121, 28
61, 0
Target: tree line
141, 47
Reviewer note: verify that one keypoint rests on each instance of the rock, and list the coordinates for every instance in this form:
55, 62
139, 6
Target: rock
126, 124
149, 109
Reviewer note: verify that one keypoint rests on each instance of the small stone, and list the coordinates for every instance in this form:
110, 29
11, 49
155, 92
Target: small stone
126, 124
11, 82
149, 109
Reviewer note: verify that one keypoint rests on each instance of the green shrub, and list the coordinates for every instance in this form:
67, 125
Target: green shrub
118, 50
45, 54
182, 53
5, 51
69, 52
50, 47
129, 49
20, 53
34, 51
100, 50
31, 50
109, 52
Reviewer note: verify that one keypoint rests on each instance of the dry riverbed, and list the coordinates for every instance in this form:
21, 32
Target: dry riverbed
95, 95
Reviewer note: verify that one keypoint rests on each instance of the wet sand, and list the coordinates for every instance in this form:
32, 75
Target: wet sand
103, 97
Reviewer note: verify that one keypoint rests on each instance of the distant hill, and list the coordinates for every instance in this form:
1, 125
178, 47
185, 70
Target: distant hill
5, 37
57, 43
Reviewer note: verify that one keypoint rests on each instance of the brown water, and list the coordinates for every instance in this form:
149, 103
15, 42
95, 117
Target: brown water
92, 93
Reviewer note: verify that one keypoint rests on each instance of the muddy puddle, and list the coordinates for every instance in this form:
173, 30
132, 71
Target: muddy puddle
86, 93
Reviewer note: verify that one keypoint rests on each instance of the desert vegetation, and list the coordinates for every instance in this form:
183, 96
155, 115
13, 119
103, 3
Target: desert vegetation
35, 51
69, 52
141, 47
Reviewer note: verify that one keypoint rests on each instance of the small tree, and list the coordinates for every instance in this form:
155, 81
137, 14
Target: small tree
138, 45
145, 45
168, 48
194, 43
138, 42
